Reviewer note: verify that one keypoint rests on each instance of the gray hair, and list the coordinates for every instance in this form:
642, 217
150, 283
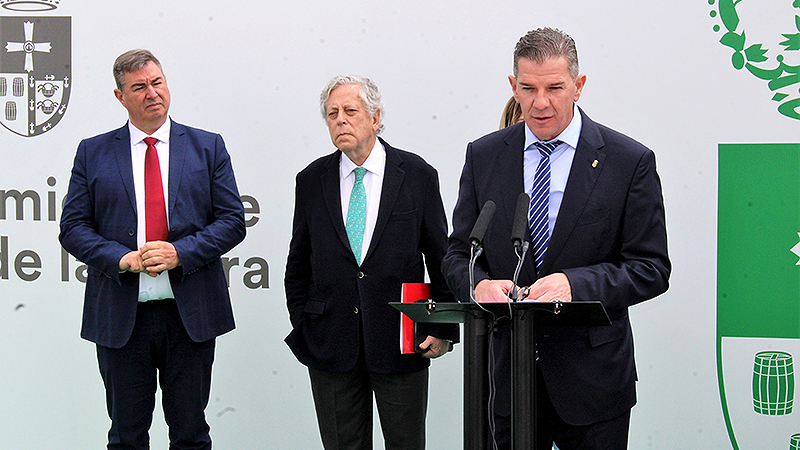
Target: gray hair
368, 93
545, 43
132, 61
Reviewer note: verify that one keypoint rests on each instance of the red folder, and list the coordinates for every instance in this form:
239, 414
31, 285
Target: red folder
410, 293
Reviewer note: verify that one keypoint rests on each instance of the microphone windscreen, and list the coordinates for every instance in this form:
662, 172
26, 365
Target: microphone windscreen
520, 219
482, 224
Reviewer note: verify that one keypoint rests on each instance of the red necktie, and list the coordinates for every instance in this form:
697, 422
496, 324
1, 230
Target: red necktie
155, 210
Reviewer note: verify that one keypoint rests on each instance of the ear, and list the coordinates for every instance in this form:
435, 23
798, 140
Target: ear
376, 120
579, 83
513, 80
118, 94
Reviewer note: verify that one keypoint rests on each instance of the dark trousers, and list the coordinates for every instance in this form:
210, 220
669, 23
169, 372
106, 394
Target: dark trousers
159, 351
608, 435
344, 408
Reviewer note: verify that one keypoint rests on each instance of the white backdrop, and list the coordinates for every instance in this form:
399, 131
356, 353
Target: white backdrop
253, 70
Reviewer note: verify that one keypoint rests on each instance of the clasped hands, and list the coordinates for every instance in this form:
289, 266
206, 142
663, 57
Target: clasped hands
152, 258
552, 288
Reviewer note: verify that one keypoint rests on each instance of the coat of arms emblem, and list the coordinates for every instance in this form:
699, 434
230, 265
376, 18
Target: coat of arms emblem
35, 71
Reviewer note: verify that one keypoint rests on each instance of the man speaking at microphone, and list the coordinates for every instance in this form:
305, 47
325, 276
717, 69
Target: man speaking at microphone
597, 231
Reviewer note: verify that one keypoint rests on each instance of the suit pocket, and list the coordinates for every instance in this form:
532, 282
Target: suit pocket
404, 215
314, 307
402, 235
603, 335
593, 216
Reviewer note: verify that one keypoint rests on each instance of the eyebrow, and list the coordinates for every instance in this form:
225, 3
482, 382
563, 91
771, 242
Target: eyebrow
345, 106
557, 83
144, 83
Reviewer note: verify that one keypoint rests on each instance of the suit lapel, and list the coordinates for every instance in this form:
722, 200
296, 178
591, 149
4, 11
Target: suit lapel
177, 154
331, 193
512, 179
392, 180
122, 151
509, 163
512, 184
581, 183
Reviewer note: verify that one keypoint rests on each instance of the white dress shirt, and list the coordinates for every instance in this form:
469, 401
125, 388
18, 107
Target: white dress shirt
373, 183
159, 287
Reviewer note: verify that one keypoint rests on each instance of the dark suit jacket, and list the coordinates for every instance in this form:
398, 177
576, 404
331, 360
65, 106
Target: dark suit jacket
333, 303
609, 239
206, 219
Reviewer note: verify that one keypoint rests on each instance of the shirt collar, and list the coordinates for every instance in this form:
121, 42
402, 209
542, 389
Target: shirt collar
162, 134
569, 136
375, 163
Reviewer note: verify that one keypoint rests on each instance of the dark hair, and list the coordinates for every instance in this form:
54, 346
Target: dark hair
132, 61
545, 43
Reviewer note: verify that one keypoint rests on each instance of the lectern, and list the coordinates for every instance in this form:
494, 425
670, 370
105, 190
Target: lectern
477, 322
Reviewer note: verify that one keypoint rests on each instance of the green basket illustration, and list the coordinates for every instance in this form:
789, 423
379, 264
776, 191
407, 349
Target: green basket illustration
773, 383
795, 444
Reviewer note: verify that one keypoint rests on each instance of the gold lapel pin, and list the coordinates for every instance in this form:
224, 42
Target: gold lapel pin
594, 163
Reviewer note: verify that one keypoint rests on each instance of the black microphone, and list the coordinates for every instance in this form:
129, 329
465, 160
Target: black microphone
520, 220
482, 224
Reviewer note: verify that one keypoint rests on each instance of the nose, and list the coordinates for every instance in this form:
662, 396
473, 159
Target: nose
150, 91
540, 100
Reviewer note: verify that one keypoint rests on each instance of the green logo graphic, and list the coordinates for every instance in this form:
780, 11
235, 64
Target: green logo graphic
773, 383
795, 445
758, 292
782, 78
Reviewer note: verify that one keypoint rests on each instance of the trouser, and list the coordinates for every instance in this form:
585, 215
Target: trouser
343, 402
159, 351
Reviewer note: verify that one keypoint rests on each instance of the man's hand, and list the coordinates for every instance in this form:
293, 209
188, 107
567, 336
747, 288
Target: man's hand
553, 287
132, 262
493, 291
436, 347
159, 256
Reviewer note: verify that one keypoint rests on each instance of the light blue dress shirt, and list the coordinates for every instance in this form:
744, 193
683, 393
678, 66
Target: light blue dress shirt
560, 162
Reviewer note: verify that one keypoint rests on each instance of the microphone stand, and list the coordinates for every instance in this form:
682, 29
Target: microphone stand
475, 251
478, 367
521, 250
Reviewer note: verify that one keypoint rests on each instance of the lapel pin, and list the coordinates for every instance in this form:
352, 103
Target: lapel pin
594, 163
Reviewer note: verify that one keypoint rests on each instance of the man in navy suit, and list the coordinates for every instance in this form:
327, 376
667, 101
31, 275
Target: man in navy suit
151, 208
604, 237
364, 218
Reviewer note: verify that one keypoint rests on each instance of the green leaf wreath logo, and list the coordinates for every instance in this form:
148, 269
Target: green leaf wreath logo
753, 56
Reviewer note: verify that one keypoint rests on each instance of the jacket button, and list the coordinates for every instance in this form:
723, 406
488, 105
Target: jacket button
355, 310
360, 274
131, 232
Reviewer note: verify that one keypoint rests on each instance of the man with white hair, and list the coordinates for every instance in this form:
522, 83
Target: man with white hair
365, 216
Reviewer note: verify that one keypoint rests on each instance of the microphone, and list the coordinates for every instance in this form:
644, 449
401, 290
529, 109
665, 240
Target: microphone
518, 232
476, 239
482, 224
520, 220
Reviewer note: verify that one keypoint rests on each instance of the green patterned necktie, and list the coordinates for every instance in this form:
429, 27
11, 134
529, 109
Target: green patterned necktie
357, 213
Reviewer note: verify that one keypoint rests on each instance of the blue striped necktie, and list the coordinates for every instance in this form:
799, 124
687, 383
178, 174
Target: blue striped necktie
538, 213
357, 214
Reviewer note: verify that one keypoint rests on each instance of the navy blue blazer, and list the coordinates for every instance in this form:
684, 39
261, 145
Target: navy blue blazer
333, 303
206, 219
609, 239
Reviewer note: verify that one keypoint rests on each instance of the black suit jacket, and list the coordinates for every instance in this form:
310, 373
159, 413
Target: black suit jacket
333, 303
609, 239
206, 219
